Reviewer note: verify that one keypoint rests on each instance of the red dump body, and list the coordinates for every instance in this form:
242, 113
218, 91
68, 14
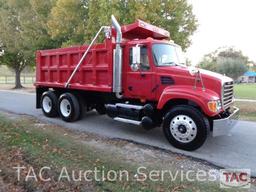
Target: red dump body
55, 66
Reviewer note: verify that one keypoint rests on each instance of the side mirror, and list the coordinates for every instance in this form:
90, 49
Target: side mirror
136, 60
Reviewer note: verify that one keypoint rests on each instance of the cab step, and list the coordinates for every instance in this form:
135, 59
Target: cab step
129, 121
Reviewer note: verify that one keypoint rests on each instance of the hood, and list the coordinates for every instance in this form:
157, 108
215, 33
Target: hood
189, 76
222, 78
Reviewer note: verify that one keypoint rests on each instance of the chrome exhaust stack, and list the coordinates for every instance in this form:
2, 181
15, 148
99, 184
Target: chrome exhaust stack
117, 64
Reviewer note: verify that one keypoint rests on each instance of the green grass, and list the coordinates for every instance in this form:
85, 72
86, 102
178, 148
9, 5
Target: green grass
11, 79
4, 70
7, 76
247, 110
245, 91
48, 147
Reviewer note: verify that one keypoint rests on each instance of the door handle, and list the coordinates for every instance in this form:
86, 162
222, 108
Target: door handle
143, 75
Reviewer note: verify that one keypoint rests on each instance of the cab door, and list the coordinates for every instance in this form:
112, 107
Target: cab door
139, 76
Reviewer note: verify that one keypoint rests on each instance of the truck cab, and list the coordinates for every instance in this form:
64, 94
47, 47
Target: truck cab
138, 76
148, 60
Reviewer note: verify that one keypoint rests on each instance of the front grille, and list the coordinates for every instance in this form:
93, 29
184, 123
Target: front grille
227, 95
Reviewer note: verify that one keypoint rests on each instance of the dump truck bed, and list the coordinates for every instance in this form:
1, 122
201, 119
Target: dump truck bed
54, 67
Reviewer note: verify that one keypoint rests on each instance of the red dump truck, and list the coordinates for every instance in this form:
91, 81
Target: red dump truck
137, 75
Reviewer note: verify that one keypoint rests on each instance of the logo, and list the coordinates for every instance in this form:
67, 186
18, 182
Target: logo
235, 178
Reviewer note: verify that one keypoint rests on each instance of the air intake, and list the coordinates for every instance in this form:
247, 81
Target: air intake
167, 80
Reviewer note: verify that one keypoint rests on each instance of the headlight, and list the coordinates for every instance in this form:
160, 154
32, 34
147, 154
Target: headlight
214, 106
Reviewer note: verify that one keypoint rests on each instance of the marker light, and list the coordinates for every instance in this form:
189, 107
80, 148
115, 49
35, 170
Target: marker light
214, 106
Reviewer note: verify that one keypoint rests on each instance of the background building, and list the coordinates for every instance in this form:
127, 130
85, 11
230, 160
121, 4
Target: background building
248, 77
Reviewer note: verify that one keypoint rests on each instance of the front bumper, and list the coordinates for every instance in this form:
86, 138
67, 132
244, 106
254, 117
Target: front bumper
223, 126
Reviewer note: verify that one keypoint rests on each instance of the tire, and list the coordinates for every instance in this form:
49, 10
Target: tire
185, 127
69, 108
49, 103
83, 105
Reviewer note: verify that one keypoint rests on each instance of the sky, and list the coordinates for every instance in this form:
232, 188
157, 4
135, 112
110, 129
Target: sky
223, 23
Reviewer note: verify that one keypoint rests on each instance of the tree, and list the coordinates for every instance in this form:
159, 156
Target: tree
226, 61
252, 66
21, 33
35, 29
67, 21
29, 25
15, 49
96, 18
176, 16
76, 21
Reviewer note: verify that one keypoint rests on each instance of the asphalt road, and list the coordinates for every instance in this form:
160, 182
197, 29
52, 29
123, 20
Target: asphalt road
238, 150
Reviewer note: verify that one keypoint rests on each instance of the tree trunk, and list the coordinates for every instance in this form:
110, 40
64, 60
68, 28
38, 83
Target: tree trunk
17, 80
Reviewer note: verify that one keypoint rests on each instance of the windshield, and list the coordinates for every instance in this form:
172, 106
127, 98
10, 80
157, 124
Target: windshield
168, 55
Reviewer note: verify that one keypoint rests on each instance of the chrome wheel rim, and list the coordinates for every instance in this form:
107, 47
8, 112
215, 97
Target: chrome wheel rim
65, 107
183, 128
47, 104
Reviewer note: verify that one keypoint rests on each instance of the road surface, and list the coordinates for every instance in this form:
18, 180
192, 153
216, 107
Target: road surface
237, 150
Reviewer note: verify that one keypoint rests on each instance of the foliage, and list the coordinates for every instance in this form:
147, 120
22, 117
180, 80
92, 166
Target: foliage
228, 61
17, 53
252, 66
22, 32
99, 14
29, 25
67, 21
36, 30
78, 21
176, 16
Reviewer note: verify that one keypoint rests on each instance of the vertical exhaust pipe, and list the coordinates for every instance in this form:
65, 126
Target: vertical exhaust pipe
117, 65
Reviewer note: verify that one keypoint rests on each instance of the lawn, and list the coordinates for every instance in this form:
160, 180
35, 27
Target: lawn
245, 91
7, 76
26, 142
25, 79
4, 70
247, 110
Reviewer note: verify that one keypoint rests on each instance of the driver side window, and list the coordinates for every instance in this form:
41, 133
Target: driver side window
144, 65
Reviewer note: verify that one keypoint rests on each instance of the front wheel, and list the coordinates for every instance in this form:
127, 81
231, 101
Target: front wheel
185, 127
